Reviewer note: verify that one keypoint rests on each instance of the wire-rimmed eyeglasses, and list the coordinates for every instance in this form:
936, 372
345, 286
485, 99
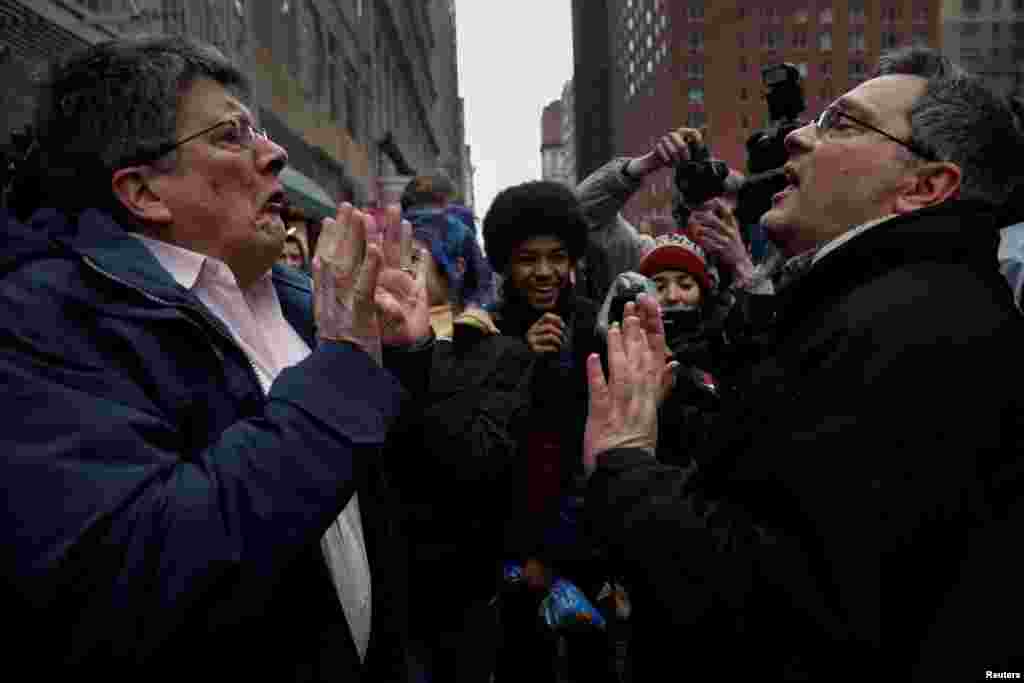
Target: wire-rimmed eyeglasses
243, 134
827, 121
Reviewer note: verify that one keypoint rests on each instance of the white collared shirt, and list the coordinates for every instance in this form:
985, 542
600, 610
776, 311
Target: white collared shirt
257, 323
836, 242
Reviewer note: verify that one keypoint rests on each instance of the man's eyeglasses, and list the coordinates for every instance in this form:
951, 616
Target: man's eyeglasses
829, 118
242, 133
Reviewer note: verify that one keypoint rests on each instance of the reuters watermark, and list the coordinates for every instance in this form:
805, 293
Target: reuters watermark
1004, 675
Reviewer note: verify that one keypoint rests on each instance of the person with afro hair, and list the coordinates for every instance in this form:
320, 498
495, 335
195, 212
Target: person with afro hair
534, 235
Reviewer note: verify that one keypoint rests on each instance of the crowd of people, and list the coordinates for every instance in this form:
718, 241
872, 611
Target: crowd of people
580, 454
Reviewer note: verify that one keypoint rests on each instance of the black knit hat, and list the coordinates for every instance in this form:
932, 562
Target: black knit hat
533, 209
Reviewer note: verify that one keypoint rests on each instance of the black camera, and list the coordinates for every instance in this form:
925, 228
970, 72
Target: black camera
698, 180
766, 148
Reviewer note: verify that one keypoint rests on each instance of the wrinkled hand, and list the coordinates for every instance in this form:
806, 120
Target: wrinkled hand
547, 334
401, 294
359, 281
670, 149
718, 231
624, 410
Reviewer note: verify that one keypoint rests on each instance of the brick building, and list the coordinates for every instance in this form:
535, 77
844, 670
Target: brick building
986, 37
362, 93
697, 63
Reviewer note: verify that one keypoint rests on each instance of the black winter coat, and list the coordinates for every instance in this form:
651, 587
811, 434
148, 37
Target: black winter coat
558, 408
456, 458
854, 521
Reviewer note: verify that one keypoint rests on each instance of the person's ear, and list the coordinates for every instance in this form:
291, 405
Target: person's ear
133, 188
932, 183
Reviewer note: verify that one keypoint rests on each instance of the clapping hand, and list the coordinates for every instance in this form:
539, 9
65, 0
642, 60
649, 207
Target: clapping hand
624, 409
366, 289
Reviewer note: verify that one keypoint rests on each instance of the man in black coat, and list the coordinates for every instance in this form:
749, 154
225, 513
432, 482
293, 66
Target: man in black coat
853, 520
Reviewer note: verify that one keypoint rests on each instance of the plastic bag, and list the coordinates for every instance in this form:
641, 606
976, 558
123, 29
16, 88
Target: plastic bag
566, 607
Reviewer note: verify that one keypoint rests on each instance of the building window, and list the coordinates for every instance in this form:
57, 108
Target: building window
696, 119
825, 16
696, 95
696, 11
969, 29
771, 14
890, 39
857, 41
920, 38
741, 12
743, 65
857, 11
921, 12
857, 70
801, 16
745, 121
696, 40
743, 94
352, 103
771, 39
996, 30
826, 69
802, 68
997, 5
825, 41
800, 40
333, 91
890, 14
1018, 30
971, 6
741, 40
695, 70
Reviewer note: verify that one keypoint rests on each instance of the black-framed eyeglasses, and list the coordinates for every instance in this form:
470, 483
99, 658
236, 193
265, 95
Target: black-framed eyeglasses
828, 118
243, 134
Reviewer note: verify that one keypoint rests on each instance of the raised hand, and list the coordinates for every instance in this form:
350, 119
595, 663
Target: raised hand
670, 149
547, 334
718, 231
346, 266
624, 410
401, 294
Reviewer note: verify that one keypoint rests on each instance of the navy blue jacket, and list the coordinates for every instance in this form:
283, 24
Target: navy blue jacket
161, 512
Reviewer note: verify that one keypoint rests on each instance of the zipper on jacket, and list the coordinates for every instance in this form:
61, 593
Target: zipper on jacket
209, 319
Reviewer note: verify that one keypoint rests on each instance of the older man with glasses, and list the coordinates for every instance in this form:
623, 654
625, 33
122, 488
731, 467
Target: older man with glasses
852, 522
192, 463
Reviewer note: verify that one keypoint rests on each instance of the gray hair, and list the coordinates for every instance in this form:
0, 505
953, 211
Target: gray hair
113, 105
960, 120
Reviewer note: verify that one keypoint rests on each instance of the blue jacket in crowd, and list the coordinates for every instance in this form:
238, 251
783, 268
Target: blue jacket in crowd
160, 510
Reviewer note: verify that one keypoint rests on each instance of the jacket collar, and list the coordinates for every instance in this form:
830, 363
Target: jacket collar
97, 237
961, 232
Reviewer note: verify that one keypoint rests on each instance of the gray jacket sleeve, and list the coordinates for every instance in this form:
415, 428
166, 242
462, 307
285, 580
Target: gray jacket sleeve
602, 196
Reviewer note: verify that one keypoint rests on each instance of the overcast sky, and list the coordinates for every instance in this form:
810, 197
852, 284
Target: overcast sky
514, 58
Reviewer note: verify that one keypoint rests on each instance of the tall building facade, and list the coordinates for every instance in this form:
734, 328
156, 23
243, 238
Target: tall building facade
552, 160
569, 132
986, 37
362, 93
592, 77
698, 63
558, 144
